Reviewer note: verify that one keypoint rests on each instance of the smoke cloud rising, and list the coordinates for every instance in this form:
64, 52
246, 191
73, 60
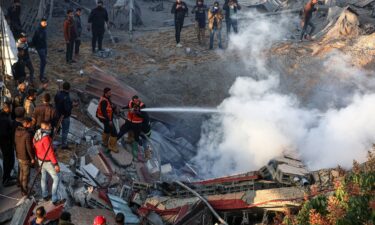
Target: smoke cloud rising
260, 122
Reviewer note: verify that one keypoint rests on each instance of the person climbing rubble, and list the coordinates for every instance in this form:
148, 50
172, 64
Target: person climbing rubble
25, 153
231, 8
64, 107
134, 119
215, 18
104, 113
46, 154
180, 10
306, 19
39, 41
14, 18
23, 45
200, 20
70, 35
98, 19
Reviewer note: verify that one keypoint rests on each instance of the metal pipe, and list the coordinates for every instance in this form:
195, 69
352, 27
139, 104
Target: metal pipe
221, 220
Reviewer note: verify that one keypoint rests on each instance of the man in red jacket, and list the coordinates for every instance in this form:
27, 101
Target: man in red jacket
44, 151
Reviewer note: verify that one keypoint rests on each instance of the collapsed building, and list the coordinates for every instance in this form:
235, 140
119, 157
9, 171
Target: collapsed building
157, 184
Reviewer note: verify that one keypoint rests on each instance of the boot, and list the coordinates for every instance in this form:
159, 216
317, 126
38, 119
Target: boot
112, 144
105, 139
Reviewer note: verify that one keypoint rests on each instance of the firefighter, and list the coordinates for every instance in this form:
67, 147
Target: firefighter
105, 115
134, 119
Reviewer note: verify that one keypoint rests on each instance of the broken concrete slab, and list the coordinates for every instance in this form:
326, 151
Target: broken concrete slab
119, 205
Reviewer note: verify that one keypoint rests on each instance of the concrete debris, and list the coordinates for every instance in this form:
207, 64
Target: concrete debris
157, 8
119, 205
165, 169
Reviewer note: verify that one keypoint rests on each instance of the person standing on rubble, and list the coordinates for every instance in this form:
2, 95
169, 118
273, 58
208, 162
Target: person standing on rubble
306, 19
134, 119
104, 113
45, 112
200, 20
22, 92
215, 18
180, 10
70, 35
65, 219
22, 45
7, 143
44, 151
29, 103
78, 26
98, 19
120, 219
231, 8
25, 153
40, 43
64, 106
14, 18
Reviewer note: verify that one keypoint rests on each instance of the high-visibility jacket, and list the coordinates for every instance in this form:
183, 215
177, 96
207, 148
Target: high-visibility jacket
133, 116
109, 109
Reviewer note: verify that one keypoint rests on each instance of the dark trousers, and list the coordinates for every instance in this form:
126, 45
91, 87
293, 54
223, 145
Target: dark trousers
69, 51
8, 157
232, 23
29, 66
178, 24
43, 61
109, 129
23, 175
77, 43
304, 29
97, 36
129, 126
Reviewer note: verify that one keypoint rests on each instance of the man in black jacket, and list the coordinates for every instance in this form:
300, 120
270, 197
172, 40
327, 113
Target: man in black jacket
18, 69
231, 8
64, 107
78, 25
97, 20
200, 10
180, 10
7, 143
40, 44
25, 153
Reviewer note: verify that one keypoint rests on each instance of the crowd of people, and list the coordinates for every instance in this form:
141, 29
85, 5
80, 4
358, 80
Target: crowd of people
215, 18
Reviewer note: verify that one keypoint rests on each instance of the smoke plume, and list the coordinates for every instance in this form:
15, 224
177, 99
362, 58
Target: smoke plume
260, 122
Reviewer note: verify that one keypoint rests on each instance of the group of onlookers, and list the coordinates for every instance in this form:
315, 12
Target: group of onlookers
215, 18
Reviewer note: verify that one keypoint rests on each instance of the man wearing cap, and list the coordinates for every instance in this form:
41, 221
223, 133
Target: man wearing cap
40, 44
7, 143
22, 45
70, 35
24, 152
104, 113
98, 18
100, 220
215, 18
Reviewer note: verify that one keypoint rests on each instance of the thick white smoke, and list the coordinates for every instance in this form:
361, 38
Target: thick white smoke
259, 123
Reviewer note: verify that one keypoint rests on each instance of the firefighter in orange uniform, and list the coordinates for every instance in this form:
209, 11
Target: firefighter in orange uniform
104, 113
134, 120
